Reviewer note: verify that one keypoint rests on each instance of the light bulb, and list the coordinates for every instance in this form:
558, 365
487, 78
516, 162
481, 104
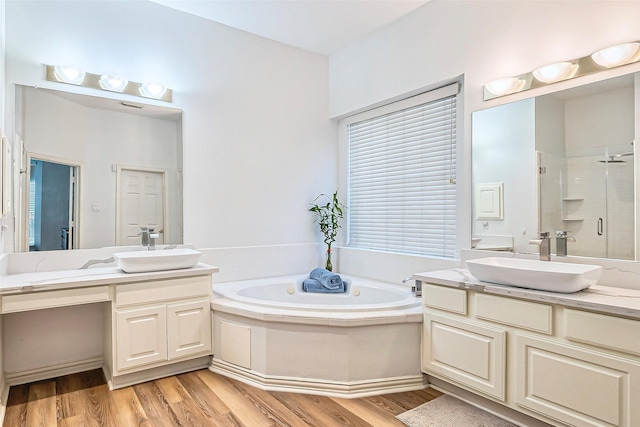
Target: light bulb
113, 82
152, 90
617, 55
555, 72
70, 75
505, 86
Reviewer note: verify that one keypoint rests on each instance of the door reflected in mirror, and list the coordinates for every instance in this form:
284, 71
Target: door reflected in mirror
567, 163
52, 202
99, 138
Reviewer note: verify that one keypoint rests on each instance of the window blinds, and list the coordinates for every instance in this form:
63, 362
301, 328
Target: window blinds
401, 172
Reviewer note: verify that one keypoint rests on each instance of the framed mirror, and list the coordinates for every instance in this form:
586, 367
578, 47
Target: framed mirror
93, 171
566, 161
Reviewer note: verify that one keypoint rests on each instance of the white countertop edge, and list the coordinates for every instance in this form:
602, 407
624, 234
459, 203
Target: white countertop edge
68, 279
605, 299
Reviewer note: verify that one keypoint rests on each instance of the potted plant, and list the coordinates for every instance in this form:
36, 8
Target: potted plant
328, 216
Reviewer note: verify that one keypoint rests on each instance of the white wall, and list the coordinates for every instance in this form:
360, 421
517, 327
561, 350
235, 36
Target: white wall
601, 120
484, 40
2, 126
258, 143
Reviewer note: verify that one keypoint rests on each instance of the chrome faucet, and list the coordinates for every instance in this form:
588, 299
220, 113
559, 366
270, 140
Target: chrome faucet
144, 232
561, 242
152, 239
416, 288
545, 245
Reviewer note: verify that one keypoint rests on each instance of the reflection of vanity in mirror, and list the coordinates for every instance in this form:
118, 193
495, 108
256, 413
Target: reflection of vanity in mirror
565, 161
95, 170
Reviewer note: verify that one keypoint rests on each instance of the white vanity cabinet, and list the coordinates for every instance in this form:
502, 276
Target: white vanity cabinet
158, 323
564, 366
449, 337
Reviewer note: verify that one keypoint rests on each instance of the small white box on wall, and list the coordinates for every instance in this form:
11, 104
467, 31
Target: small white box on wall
489, 201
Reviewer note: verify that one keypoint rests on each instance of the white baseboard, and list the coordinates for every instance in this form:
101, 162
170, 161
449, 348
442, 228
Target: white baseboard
53, 371
155, 373
353, 389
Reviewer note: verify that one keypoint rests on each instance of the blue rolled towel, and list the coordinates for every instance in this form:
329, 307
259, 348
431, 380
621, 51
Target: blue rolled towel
328, 279
314, 285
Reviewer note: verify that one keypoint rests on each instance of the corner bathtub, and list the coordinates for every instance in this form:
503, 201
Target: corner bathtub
271, 334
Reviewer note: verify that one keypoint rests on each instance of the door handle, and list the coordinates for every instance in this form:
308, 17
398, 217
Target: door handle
600, 227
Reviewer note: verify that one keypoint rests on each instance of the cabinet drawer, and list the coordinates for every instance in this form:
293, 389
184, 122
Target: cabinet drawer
443, 298
51, 299
512, 312
603, 331
162, 290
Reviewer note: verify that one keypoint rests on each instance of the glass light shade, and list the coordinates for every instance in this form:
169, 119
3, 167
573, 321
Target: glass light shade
617, 55
70, 75
505, 86
555, 72
113, 82
152, 90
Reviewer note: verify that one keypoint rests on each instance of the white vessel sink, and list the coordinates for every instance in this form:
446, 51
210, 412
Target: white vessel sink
534, 274
158, 260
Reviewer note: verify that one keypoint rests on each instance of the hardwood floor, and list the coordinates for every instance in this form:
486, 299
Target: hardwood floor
199, 398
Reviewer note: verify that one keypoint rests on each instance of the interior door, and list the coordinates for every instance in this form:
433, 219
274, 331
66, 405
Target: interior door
52, 193
141, 203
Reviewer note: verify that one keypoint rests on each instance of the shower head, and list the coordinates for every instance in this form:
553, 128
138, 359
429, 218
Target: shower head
616, 158
612, 159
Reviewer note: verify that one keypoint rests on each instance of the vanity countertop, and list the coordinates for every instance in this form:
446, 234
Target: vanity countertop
605, 299
67, 279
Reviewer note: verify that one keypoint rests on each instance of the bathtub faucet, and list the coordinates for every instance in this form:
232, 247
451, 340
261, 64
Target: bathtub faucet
416, 288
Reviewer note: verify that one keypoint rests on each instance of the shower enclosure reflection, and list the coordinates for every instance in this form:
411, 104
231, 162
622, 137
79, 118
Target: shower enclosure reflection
590, 197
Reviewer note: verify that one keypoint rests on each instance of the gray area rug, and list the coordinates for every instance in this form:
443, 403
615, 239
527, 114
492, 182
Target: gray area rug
447, 411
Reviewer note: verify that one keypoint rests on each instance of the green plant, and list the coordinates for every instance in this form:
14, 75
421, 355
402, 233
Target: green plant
328, 218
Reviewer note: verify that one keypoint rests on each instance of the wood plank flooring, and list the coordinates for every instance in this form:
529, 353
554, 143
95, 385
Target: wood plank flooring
199, 398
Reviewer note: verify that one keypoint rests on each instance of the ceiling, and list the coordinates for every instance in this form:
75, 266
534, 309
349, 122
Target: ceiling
320, 26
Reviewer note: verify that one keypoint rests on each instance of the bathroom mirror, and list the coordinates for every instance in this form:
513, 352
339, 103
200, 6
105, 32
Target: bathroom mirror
93, 170
565, 162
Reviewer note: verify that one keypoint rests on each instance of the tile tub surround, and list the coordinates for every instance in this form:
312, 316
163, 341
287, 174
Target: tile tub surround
604, 299
343, 352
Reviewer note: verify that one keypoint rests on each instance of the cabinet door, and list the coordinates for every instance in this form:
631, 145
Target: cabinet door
141, 336
577, 386
189, 328
470, 354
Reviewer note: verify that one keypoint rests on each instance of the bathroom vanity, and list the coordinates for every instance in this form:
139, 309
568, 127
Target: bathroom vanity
155, 323
565, 359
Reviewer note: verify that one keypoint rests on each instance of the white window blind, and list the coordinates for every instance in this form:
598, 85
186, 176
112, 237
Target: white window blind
401, 176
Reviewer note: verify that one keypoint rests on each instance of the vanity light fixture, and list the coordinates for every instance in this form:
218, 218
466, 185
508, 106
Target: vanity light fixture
610, 57
113, 82
108, 82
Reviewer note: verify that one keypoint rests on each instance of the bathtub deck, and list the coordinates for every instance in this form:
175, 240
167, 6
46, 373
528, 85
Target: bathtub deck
200, 398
